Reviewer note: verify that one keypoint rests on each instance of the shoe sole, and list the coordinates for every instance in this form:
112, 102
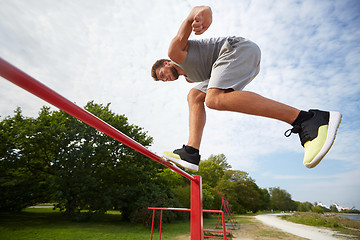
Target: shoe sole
334, 122
182, 163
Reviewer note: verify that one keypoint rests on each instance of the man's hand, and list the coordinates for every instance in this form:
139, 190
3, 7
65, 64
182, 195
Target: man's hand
202, 19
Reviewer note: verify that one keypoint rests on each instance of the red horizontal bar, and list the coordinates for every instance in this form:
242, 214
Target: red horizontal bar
217, 231
214, 211
35, 87
183, 209
214, 237
170, 209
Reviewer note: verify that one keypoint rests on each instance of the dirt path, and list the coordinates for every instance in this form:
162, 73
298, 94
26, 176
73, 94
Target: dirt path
270, 227
300, 230
255, 229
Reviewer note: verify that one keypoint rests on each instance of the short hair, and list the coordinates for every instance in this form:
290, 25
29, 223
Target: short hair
158, 64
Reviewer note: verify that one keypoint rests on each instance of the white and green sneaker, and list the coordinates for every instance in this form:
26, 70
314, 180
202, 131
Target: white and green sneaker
183, 158
317, 135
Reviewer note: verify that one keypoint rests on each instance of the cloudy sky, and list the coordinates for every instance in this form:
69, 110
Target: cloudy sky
103, 51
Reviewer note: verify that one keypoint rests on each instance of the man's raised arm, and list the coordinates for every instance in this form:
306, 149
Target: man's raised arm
199, 20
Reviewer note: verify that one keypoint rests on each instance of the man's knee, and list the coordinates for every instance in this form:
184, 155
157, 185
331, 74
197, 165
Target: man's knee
213, 101
215, 98
196, 96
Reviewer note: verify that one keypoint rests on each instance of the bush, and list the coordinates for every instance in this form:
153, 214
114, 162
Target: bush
317, 209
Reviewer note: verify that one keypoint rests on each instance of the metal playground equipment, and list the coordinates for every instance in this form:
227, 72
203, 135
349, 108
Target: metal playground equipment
223, 231
35, 87
231, 221
227, 221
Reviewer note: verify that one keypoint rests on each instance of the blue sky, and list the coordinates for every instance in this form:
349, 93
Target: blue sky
103, 51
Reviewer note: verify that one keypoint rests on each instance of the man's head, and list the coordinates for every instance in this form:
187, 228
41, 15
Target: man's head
164, 70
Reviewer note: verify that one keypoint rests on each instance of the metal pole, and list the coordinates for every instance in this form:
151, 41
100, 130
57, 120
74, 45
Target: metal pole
35, 87
223, 223
152, 225
196, 214
161, 212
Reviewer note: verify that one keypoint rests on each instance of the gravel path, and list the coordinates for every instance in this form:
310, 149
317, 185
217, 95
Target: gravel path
300, 230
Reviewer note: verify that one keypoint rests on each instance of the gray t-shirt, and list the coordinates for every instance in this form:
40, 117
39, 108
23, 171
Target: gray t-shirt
222, 63
200, 58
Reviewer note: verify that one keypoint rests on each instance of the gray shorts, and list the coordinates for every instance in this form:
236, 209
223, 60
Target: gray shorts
237, 65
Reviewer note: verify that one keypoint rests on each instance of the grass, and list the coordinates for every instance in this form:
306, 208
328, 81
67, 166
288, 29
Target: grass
41, 224
335, 222
45, 223
243, 219
271, 234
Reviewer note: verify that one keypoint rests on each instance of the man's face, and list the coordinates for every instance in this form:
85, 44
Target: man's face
167, 73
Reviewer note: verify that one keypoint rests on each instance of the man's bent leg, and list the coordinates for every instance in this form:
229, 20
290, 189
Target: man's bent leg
317, 129
250, 103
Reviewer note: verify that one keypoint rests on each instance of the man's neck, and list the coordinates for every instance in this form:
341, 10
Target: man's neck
179, 69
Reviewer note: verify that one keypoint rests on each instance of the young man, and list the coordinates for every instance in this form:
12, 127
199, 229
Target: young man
223, 67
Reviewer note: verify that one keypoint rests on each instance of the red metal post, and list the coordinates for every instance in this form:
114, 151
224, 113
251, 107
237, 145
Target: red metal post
161, 211
35, 87
152, 224
224, 226
196, 215
221, 208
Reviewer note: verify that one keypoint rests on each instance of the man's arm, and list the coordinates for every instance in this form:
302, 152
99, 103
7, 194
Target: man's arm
199, 20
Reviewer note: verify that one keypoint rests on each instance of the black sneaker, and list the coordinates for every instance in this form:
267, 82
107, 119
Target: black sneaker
182, 158
317, 135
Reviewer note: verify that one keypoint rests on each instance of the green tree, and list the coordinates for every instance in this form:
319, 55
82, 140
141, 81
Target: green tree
333, 208
317, 209
220, 160
57, 157
23, 175
210, 172
304, 206
213, 169
265, 199
241, 191
281, 200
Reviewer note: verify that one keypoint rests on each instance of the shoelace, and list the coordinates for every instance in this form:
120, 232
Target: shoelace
295, 129
303, 134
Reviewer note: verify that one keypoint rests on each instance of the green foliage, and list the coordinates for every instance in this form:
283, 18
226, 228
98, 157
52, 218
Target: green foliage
304, 207
281, 200
55, 157
209, 195
317, 209
210, 172
241, 191
333, 208
220, 160
23, 171
351, 211
265, 199
171, 178
182, 194
212, 169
